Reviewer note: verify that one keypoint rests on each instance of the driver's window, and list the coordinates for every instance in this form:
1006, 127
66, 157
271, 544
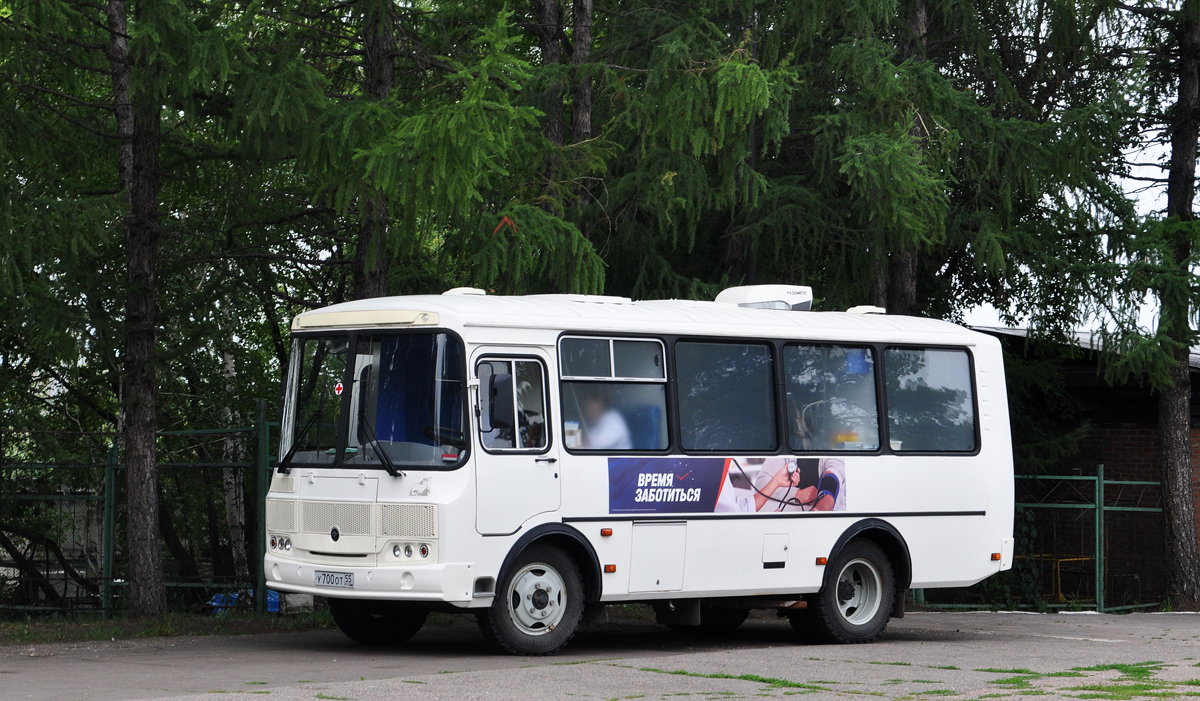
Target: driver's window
529, 404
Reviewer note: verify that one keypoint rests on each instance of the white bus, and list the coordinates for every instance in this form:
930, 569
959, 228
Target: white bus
532, 459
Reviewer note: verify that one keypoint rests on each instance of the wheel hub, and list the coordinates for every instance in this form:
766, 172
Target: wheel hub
859, 592
536, 599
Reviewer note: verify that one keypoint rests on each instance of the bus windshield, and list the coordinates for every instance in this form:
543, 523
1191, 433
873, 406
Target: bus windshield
402, 395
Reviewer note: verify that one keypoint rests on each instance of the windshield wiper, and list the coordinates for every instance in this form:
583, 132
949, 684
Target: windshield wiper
383, 457
284, 464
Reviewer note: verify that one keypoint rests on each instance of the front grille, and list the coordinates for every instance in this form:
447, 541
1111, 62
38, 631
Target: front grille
323, 516
281, 515
409, 520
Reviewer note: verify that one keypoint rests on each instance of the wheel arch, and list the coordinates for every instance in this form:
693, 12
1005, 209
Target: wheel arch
887, 538
570, 541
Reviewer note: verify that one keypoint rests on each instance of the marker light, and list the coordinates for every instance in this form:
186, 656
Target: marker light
996, 556
609, 569
822, 560
424, 550
605, 531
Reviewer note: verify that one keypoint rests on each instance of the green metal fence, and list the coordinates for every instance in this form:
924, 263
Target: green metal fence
1067, 543
39, 500
1101, 506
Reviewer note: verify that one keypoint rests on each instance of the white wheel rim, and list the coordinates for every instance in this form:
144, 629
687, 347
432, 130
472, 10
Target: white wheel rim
858, 592
536, 598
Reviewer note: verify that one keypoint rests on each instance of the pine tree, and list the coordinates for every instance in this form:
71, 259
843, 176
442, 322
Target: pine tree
1157, 257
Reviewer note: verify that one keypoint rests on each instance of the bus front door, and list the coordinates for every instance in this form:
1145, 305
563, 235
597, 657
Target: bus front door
516, 465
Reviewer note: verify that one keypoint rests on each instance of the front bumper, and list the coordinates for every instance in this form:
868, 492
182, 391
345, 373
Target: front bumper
451, 582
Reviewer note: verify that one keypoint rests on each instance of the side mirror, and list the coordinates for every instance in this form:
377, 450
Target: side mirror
498, 398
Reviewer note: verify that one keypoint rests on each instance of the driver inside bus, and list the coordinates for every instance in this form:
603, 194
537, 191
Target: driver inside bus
603, 426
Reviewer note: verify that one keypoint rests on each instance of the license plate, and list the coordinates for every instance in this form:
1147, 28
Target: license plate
344, 580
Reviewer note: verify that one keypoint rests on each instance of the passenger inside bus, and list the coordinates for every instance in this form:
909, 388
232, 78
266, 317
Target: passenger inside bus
603, 426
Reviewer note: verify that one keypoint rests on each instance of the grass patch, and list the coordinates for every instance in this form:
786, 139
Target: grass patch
1138, 671
1123, 691
254, 683
897, 664
769, 681
1015, 682
88, 628
947, 666
333, 698
1014, 670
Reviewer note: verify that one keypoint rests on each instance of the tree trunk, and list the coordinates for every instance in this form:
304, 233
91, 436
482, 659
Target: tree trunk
902, 264
879, 288
902, 281
581, 108
581, 53
549, 29
1174, 401
379, 67
138, 129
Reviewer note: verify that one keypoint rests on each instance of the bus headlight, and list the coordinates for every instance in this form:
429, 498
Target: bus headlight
396, 550
287, 543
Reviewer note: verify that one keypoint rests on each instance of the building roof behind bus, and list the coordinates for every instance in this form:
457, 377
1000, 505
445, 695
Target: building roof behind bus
616, 315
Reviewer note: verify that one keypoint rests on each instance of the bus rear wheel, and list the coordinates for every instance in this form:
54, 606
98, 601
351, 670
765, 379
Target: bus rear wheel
378, 623
856, 603
539, 604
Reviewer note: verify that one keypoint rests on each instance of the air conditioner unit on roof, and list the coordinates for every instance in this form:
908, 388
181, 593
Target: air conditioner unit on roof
797, 298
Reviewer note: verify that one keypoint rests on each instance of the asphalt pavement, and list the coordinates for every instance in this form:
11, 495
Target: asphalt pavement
957, 655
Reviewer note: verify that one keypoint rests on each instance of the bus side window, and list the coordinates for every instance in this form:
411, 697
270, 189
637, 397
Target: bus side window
529, 390
930, 401
614, 394
726, 396
831, 398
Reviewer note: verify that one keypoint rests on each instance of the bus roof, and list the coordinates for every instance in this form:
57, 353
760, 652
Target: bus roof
593, 313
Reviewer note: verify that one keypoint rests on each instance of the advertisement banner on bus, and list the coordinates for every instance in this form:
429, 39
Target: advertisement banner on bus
657, 485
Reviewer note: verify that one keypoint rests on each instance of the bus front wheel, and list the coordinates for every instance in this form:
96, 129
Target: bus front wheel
539, 604
378, 622
856, 602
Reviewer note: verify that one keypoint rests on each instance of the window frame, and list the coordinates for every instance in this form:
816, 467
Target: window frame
667, 380
881, 379
877, 382
348, 378
774, 346
515, 358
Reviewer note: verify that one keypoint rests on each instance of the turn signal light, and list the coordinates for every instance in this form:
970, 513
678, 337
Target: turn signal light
606, 531
822, 560
995, 556
609, 569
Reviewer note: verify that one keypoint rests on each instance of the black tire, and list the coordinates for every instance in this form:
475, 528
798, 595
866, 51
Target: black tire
378, 623
857, 600
538, 605
715, 621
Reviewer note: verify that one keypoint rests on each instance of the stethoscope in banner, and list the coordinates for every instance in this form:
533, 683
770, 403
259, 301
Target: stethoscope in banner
788, 499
